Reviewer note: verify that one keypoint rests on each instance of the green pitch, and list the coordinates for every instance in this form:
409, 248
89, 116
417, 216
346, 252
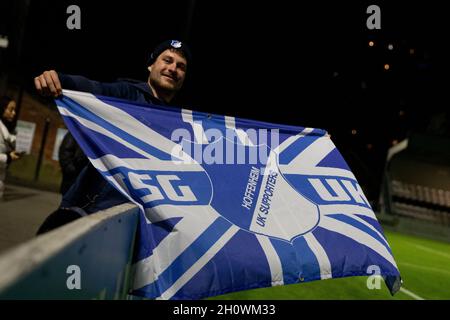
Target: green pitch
424, 266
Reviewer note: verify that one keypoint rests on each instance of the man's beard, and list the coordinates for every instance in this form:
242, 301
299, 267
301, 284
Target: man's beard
166, 85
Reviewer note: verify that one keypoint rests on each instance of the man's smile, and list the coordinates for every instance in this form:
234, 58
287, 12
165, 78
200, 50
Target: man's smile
172, 78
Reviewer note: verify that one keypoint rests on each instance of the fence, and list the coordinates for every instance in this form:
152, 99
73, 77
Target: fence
97, 249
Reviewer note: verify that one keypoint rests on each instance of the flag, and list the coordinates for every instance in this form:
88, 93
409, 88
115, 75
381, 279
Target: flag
229, 204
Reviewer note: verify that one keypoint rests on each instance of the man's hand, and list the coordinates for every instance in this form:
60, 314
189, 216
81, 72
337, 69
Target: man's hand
47, 84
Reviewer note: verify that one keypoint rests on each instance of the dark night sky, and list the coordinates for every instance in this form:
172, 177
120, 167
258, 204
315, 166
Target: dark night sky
292, 62
282, 55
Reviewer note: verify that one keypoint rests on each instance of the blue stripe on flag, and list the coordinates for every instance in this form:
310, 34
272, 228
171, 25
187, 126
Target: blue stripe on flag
334, 160
242, 267
97, 144
170, 117
290, 261
214, 122
349, 258
317, 132
80, 111
152, 234
310, 266
187, 258
145, 246
373, 222
297, 147
161, 229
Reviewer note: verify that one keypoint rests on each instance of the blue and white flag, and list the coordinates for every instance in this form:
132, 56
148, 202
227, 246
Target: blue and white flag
229, 204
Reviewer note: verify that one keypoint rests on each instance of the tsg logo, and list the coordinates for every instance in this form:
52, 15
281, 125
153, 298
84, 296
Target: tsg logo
153, 188
185, 193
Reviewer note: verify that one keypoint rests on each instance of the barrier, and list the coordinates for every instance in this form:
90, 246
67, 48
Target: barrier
415, 193
414, 227
97, 249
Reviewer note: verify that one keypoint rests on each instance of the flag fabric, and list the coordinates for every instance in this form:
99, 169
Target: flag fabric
229, 204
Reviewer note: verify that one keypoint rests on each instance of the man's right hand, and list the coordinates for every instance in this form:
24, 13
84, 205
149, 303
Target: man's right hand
47, 84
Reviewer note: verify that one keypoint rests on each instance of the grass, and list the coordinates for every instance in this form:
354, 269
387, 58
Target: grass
424, 265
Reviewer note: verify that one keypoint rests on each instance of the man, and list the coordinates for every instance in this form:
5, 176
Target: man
71, 160
167, 66
91, 192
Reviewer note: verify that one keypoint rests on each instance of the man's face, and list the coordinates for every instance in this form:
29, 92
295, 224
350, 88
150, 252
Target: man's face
168, 71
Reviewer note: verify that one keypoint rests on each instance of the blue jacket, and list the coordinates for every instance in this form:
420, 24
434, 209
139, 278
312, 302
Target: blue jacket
91, 192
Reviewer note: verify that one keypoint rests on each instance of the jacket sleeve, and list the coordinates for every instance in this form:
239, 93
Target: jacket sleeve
3, 160
10, 143
80, 83
66, 155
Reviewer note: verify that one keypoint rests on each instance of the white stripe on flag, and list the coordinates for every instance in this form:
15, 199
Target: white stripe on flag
321, 255
317, 171
186, 231
348, 209
194, 269
276, 269
199, 133
122, 120
286, 143
362, 221
110, 162
230, 123
314, 153
305, 163
93, 126
358, 236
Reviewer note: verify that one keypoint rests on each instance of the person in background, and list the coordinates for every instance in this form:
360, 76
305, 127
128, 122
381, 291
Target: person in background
72, 160
7, 138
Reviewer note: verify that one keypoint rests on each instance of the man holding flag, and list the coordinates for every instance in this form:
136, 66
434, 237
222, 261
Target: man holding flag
225, 204
90, 193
